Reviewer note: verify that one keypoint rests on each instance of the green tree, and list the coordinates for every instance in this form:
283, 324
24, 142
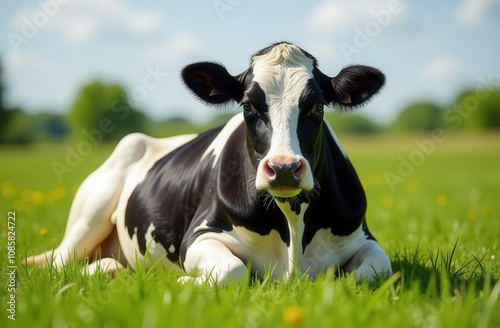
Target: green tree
104, 112
473, 110
17, 129
421, 116
14, 123
4, 114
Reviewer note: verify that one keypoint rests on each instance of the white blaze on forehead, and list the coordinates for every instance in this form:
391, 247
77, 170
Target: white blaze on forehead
284, 52
283, 73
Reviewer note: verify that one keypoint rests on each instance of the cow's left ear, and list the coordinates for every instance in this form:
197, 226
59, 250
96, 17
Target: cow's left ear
212, 83
354, 85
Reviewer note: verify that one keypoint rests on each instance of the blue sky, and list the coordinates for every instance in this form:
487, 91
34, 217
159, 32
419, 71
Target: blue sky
429, 50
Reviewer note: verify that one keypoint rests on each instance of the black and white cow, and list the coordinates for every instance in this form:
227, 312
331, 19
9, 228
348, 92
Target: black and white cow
271, 190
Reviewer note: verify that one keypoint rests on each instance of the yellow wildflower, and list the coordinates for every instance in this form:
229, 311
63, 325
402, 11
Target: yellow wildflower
387, 201
472, 216
293, 315
37, 197
7, 190
441, 200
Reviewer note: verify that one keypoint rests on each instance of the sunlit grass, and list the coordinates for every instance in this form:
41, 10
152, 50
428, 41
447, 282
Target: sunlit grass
440, 227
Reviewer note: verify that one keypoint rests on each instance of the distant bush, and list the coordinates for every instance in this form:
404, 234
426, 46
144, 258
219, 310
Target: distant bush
103, 110
474, 110
17, 127
421, 116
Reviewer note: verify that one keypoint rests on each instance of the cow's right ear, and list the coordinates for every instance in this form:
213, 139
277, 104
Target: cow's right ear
212, 83
353, 86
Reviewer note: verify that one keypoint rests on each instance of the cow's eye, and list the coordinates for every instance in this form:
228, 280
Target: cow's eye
246, 106
320, 107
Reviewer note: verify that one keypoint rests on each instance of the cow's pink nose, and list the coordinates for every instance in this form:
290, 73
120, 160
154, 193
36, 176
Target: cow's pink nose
284, 172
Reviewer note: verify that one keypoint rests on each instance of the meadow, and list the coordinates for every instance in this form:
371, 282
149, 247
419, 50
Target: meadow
433, 204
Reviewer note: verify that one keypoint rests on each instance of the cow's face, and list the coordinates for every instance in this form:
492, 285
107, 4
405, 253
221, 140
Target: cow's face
283, 96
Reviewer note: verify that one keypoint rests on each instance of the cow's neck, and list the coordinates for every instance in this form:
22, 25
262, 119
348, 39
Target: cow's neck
295, 218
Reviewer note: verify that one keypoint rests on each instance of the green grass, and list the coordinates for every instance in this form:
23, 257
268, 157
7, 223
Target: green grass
440, 226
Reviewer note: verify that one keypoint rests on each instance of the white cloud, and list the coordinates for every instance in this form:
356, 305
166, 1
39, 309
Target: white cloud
175, 48
86, 20
145, 22
81, 30
441, 67
17, 60
330, 17
473, 12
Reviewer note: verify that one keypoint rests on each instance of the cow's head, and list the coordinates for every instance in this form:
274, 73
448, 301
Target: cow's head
283, 95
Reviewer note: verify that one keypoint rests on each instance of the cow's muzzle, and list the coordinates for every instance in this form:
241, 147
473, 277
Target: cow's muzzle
283, 176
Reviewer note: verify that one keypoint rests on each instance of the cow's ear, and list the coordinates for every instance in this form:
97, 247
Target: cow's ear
354, 85
212, 83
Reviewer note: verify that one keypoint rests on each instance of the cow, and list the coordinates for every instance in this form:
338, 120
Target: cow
270, 192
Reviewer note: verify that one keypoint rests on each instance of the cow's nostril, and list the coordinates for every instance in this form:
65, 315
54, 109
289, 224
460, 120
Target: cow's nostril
269, 170
300, 170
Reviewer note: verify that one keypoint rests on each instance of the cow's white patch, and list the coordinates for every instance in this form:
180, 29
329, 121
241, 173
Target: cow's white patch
219, 142
327, 249
171, 249
156, 255
264, 252
296, 228
153, 249
203, 225
283, 73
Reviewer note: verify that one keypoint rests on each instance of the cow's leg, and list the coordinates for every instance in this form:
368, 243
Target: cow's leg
106, 264
369, 262
210, 261
89, 221
107, 257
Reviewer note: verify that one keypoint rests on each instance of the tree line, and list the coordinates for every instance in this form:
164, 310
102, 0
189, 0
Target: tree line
102, 109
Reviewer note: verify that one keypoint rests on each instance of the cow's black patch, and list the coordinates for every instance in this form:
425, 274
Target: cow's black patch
341, 205
170, 195
256, 96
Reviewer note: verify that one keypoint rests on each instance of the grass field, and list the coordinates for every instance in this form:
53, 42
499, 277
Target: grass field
434, 205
